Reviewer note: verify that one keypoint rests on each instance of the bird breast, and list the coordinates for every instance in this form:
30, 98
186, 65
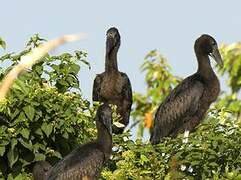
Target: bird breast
111, 87
212, 90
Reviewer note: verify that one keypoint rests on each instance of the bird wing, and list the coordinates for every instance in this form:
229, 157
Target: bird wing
182, 101
96, 88
127, 96
86, 165
126, 91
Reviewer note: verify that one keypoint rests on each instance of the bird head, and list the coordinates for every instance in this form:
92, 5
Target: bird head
41, 170
112, 39
104, 117
207, 45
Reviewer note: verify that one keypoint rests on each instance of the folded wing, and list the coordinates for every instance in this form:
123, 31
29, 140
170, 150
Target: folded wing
183, 101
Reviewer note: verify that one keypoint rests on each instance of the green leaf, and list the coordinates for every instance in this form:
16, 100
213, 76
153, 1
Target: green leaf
74, 68
2, 150
57, 154
213, 164
12, 156
4, 142
2, 43
20, 85
65, 135
143, 159
25, 133
238, 177
21, 118
40, 157
39, 132
86, 63
26, 144
16, 112
55, 67
29, 111
39, 146
13, 143
38, 68
47, 128
21, 177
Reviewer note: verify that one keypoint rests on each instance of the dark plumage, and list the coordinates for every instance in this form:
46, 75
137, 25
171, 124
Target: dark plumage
41, 170
86, 161
186, 105
112, 86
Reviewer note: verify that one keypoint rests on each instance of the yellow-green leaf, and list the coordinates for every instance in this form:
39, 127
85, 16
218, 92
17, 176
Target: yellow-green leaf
47, 128
29, 111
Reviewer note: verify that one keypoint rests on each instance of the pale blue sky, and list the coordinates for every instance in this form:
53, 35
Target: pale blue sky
169, 26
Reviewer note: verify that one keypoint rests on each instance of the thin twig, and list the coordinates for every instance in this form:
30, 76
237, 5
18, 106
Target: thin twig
134, 124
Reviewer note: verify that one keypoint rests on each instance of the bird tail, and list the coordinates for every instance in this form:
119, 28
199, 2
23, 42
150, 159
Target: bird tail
155, 138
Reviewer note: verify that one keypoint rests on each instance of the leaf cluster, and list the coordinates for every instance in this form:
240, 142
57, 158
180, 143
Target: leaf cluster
213, 151
44, 113
159, 80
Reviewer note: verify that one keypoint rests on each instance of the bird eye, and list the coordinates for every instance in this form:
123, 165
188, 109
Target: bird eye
213, 43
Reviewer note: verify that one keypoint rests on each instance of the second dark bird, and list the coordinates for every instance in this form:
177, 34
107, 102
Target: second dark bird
86, 161
41, 170
113, 86
186, 105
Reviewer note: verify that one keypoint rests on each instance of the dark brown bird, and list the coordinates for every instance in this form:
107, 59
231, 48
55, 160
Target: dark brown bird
41, 170
86, 161
113, 86
186, 105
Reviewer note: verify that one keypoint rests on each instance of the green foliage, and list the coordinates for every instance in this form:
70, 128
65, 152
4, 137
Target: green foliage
43, 115
213, 151
2, 43
159, 82
232, 65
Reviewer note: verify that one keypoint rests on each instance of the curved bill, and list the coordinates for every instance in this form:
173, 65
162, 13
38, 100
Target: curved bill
109, 44
108, 124
217, 57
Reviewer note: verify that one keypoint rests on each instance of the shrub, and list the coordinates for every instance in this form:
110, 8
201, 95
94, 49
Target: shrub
44, 116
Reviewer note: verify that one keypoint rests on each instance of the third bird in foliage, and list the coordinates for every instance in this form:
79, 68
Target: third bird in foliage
186, 105
41, 170
113, 86
86, 161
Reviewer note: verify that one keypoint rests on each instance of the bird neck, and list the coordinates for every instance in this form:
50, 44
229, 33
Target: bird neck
111, 61
104, 139
204, 66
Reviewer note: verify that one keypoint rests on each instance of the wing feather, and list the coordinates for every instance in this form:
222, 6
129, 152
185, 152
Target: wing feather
127, 99
87, 164
96, 88
183, 101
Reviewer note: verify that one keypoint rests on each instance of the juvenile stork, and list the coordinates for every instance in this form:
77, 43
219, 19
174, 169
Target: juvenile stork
86, 161
186, 105
113, 86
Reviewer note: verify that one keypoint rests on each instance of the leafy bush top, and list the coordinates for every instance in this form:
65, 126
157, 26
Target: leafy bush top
44, 113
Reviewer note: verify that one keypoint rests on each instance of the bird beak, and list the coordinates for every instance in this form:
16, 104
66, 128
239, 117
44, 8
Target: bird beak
108, 124
109, 43
217, 57
110, 130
